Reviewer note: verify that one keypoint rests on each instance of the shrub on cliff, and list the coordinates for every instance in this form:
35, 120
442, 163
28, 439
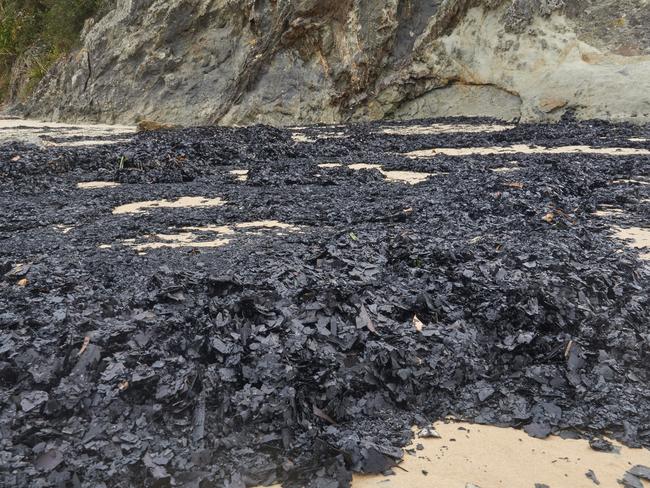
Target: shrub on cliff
38, 32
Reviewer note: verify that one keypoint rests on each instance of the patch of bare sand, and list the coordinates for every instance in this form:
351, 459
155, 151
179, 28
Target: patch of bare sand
638, 238
634, 181
179, 240
493, 457
608, 211
410, 177
95, 185
64, 229
218, 236
300, 137
37, 124
444, 129
524, 149
506, 169
240, 174
183, 202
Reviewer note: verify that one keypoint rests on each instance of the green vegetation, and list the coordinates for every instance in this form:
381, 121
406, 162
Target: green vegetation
39, 32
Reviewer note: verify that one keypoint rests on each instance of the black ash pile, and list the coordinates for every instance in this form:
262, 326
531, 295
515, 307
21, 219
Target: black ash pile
494, 296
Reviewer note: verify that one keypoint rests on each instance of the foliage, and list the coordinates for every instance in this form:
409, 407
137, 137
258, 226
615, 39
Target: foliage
51, 26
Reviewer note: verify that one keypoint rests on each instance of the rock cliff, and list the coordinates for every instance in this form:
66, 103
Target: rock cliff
326, 61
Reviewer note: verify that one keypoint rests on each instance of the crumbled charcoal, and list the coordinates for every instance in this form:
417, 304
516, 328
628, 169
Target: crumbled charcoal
602, 445
640, 471
300, 355
541, 485
592, 476
49, 460
18, 271
429, 433
569, 434
485, 393
631, 481
33, 400
541, 431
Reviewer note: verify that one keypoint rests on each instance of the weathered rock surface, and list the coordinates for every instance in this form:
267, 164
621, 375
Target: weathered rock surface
308, 61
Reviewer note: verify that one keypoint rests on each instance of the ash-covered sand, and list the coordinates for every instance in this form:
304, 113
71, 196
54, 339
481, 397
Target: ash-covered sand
239, 307
52, 134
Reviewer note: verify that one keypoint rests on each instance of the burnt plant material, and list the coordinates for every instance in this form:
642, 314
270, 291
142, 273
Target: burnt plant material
303, 356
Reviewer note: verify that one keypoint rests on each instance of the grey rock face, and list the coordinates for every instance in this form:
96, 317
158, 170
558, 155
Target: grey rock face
308, 61
463, 100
